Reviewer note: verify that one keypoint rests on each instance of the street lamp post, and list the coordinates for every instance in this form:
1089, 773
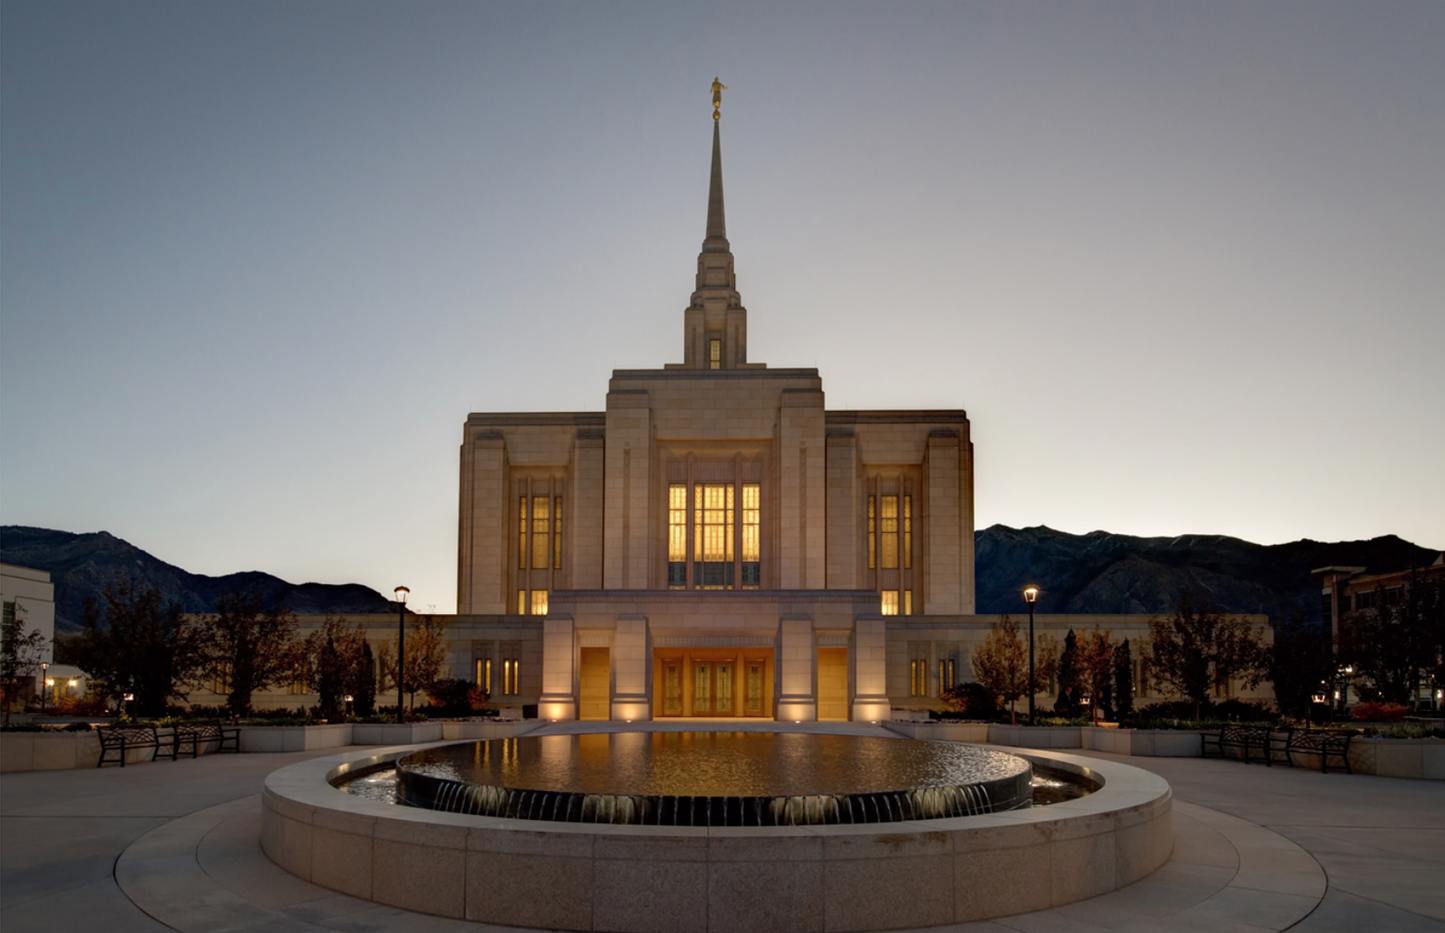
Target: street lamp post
401, 594
1031, 595
44, 684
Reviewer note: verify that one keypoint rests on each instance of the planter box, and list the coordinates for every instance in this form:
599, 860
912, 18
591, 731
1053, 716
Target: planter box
1142, 743
395, 733
1035, 736
943, 731
52, 751
1405, 758
488, 730
294, 738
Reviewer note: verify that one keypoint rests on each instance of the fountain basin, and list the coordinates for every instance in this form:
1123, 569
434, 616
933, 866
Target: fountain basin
714, 778
576, 876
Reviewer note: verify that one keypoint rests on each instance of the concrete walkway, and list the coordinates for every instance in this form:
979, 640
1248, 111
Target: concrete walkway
173, 845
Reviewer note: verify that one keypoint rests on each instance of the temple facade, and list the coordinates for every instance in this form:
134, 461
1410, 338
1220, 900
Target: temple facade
716, 542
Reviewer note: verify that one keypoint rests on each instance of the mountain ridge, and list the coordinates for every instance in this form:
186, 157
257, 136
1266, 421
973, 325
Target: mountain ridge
1098, 572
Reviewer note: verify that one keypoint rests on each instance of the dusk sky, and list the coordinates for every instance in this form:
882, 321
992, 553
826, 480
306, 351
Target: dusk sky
1183, 264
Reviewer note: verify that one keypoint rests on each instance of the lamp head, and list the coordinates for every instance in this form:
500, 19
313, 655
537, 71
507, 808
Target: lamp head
401, 594
1031, 594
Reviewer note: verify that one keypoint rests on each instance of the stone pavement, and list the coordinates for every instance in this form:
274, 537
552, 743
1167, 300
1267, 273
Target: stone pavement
173, 845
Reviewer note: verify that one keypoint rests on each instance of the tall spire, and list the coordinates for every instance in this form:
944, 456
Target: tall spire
716, 324
717, 227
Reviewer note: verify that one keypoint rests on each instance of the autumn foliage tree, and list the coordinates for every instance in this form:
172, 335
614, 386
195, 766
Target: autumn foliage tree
1095, 659
134, 643
252, 646
425, 655
1001, 664
338, 664
1198, 647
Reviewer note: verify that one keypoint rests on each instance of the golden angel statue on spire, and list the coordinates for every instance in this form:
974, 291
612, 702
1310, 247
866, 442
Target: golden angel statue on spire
717, 88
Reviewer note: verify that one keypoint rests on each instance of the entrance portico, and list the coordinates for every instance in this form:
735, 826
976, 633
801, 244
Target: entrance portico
639, 655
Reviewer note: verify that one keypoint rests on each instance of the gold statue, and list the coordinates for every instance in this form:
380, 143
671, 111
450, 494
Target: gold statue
717, 88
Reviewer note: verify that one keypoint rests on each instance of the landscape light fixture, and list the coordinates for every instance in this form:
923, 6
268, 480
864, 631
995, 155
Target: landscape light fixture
1031, 596
44, 671
401, 594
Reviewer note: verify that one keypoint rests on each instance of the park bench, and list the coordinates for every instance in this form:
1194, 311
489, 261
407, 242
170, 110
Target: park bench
121, 739
1328, 745
1245, 738
196, 734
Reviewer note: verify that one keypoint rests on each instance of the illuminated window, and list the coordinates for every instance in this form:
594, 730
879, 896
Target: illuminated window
890, 532
872, 532
511, 676
539, 602
557, 533
521, 602
712, 567
714, 354
482, 674
945, 675
890, 602
221, 678
908, 602
677, 536
752, 564
907, 531
541, 528
918, 678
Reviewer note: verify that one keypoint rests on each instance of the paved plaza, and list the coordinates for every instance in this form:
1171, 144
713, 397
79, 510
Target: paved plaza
174, 845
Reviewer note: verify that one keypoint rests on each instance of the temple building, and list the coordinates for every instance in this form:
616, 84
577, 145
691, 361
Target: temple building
716, 541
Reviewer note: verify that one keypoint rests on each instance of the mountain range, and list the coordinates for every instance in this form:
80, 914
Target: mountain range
1098, 572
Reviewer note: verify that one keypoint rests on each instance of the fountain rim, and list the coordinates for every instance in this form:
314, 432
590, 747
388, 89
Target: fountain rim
307, 786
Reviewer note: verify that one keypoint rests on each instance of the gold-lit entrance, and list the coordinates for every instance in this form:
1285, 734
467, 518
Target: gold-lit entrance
712, 682
595, 684
833, 684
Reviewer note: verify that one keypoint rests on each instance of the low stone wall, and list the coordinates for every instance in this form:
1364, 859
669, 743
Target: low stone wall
295, 738
573, 876
488, 729
942, 730
1142, 743
1405, 758
54, 751
1035, 736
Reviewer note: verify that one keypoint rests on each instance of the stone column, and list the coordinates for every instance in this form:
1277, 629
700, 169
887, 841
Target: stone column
559, 655
870, 672
629, 670
482, 570
797, 658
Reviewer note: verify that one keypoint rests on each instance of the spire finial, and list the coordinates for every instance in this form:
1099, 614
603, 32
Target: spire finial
717, 88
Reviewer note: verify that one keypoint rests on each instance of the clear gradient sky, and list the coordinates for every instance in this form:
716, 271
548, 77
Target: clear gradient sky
1182, 263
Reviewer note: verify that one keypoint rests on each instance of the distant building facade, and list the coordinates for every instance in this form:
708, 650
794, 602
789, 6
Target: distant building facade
28, 594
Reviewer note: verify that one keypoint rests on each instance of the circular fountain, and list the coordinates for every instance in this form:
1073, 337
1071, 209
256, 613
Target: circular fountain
714, 779
725, 866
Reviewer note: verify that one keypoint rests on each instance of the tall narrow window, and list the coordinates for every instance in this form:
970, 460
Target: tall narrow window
539, 602
712, 557
908, 602
945, 674
482, 674
890, 602
872, 532
908, 531
511, 676
714, 354
541, 529
557, 533
521, 602
752, 563
677, 536
890, 532
522, 533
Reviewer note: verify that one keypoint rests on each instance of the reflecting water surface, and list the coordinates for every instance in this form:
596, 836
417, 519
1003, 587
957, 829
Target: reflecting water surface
714, 764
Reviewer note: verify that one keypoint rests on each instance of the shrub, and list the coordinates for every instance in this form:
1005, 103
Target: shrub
1378, 712
970, 700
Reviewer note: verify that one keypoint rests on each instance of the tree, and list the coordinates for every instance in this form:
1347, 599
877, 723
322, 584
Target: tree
20, 655
1198, 648
338, 665
134, 644
254, 647
1095, 657
1123, 681
364, 692
1299, 665
1068, 676
1398, 644
1001, 663
425, 654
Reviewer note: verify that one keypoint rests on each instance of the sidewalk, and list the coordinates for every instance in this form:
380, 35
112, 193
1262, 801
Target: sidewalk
173, 846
